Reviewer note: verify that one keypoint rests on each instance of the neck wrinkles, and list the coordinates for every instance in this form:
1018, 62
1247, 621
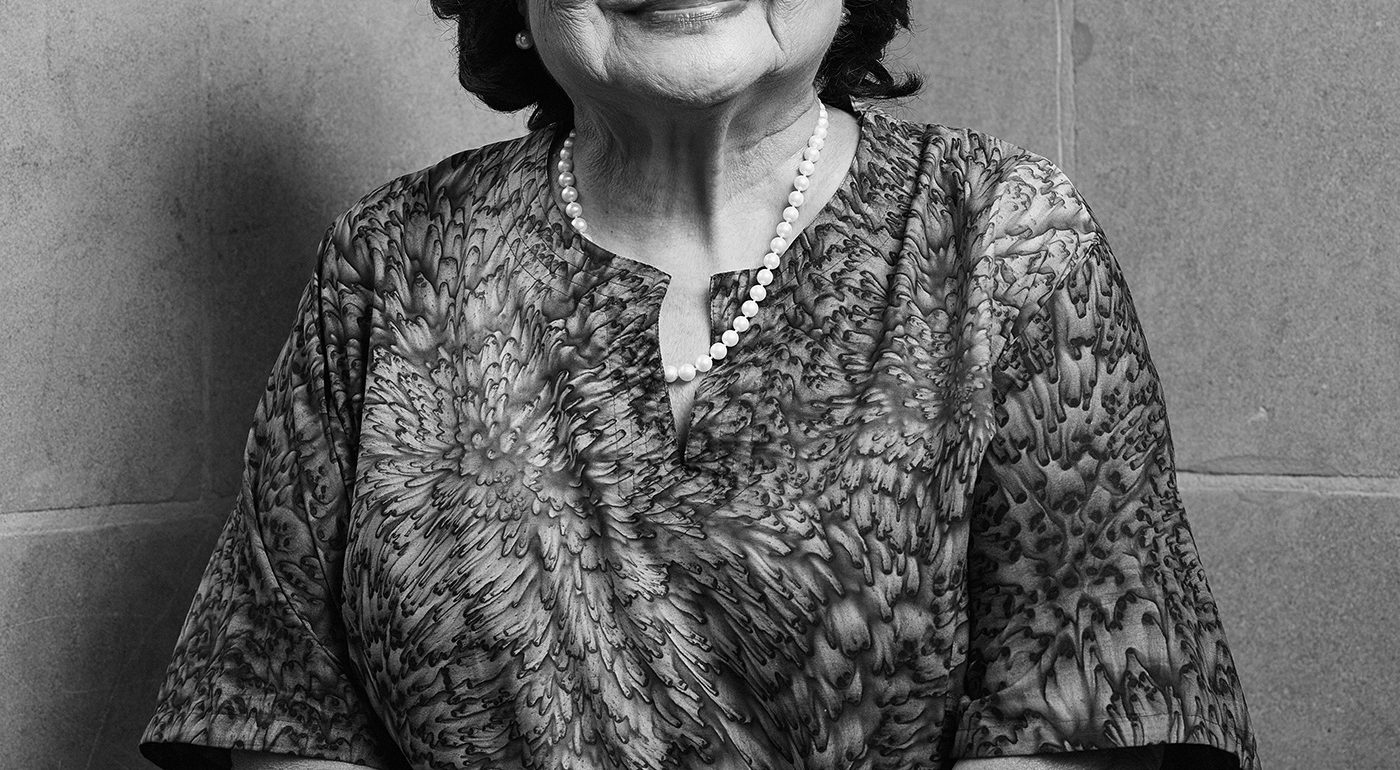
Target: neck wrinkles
692, 174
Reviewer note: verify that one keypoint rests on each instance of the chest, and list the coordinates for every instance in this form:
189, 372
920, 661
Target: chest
537, 388
531, 420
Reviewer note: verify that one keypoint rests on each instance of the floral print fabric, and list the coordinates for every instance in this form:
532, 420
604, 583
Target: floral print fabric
926, 509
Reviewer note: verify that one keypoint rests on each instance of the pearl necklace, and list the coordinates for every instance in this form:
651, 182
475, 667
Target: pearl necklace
568, 192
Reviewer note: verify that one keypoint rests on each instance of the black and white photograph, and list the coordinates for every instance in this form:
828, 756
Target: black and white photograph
689, 384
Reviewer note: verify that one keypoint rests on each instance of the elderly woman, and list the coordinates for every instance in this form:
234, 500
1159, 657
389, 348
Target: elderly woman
721, 421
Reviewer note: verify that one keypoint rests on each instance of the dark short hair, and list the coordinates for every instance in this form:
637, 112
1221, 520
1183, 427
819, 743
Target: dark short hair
508, 79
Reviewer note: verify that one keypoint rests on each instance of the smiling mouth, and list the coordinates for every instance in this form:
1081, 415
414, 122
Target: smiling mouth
688, 12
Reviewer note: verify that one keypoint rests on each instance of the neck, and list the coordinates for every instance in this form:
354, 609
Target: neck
697, 175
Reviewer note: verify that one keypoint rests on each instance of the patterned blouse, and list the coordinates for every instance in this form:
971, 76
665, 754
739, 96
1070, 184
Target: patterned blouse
926, 508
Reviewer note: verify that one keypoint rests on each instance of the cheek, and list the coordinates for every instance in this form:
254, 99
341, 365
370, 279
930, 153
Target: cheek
565, 24
569, 36
805, 26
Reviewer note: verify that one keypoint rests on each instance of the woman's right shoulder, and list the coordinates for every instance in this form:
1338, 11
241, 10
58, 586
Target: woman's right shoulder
390, 220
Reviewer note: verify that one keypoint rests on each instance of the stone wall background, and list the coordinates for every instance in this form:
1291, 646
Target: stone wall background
169, 168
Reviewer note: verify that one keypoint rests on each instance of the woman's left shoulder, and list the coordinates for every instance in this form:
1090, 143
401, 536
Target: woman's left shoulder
1006, 219
1000, 193
1027, 226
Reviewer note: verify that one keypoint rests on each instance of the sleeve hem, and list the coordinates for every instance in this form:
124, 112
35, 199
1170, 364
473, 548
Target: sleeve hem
175, 746
1167, 727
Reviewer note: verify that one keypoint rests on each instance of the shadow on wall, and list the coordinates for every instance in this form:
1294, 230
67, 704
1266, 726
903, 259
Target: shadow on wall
270, 202
268, 199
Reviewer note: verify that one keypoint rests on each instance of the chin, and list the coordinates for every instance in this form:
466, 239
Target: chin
692, 89
699, 68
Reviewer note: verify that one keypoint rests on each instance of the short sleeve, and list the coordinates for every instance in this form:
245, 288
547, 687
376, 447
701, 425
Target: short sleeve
1090, 621
262, 662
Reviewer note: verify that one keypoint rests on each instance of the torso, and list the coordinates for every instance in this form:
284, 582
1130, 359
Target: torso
540, 580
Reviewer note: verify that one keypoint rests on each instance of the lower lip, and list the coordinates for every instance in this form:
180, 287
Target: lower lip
673, 14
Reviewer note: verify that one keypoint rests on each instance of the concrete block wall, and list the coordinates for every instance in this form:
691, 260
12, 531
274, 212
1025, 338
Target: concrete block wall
168, 169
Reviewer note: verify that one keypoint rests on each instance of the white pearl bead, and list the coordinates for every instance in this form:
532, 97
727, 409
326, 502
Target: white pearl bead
741, 324
574, 210
806, 167
580, 224
778, 245
771, 261
565, 152
815, 141
790, 214
801, 183
569, 194
566, 179
812, 154
758, 293
569, 140
718, 351
784, 229
564, 165
685, 372
704, 363
796, 198
764, 277
730, 338
749, 308
670, 372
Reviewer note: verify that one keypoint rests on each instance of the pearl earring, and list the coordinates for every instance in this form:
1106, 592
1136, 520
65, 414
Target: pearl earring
523, 41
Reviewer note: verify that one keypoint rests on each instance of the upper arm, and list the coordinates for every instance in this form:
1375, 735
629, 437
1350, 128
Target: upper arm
263, 661
1091, 624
